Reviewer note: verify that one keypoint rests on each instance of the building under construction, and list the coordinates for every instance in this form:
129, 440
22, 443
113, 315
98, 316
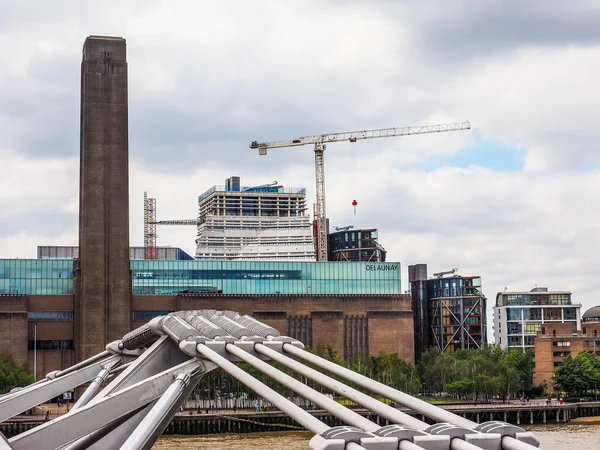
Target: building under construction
267, 223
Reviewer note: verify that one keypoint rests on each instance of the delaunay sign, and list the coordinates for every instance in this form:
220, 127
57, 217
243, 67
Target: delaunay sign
386, 267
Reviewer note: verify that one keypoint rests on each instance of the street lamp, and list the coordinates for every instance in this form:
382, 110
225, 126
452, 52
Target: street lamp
34, 352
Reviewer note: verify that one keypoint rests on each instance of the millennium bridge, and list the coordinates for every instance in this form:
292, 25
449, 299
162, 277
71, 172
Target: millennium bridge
137, 385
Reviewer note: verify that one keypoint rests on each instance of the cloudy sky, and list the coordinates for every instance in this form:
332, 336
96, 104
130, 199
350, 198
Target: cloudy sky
513, 200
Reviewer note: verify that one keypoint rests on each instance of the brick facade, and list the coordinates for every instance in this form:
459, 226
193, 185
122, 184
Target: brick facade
103, 309
386, 321
554, 342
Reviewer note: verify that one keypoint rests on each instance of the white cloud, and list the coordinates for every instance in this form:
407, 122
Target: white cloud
208, 77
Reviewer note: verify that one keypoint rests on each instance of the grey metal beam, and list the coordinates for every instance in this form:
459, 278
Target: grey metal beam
90, 439
372, 404
346, 415
162, 354
94, 416
88, 394
28, 398
374, 386
298, 414
421, 406
146, 429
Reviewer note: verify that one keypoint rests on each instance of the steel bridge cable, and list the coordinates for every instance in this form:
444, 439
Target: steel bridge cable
298, 414
343, 413
423, 407
374, 405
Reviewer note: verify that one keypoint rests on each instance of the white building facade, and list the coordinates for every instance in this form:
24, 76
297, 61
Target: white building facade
518, 316
267, 223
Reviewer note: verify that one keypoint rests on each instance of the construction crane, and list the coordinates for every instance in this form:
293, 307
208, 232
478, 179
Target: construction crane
446, 272
321, 140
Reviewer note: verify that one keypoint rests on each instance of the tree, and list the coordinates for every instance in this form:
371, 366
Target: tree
12, 375
579, 375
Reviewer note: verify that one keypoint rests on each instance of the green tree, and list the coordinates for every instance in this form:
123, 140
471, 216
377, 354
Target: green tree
579, 375
12, 375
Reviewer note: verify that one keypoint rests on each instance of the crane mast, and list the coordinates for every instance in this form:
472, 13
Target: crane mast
320, 140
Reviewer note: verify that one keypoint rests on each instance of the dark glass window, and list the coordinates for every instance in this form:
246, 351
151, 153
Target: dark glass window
50, 315
50, 345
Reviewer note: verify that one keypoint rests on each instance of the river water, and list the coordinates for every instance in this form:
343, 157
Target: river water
552, 437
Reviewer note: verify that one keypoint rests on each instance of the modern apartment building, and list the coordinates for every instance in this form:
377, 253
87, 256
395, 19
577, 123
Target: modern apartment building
267, 223
450, 311
519, 316
347, 244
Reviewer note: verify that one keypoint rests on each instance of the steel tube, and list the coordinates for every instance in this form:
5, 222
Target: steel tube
88, 394
370, 403
441, 415
408, 445
156, 415
84, 363
510, 443
295, 412
407, 400
341, 412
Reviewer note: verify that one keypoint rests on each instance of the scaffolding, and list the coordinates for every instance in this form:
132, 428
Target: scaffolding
149, 227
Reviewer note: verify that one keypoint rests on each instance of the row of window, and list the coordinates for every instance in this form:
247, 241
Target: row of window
541, 313
51, 345
535, 299
230, 277
50, 315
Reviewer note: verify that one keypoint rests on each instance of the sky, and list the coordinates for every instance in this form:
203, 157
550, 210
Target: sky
513, 200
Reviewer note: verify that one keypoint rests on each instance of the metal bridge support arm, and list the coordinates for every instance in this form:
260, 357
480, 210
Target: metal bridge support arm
372, 404
381, 389
146, 429
28, 398
295, 412
95, 415
343, 413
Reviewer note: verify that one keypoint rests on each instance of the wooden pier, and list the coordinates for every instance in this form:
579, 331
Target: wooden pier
218, 422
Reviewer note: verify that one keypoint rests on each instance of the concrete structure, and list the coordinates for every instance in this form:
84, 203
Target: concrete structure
355, 245
267, 223
154, 368
519, 316
104, 289
450, 312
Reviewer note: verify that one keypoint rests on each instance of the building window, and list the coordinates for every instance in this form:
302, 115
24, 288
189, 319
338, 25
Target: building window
562, 343
553, 333
588, 343
146, 316
50, 315
50, 345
